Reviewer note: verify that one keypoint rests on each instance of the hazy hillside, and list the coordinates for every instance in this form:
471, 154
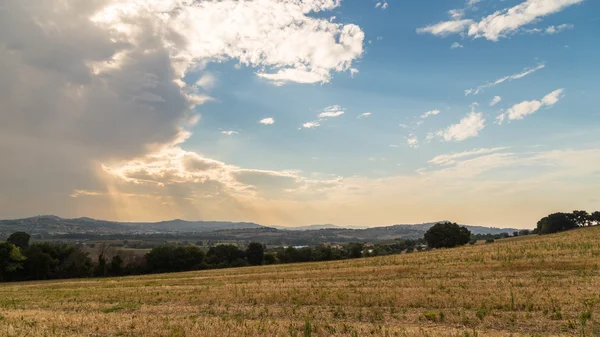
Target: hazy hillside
45, 226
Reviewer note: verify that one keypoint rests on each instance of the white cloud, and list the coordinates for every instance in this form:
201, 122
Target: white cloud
393, 145
404, 126
468, 127
525, 72
430, 113
311, 125
445, 28
384, 6
229, 132
365, 115
501, 23
412, 141
525, 108
456, 45
332, 111
450, 159
473, 2
267, 121
495, 100
557, 29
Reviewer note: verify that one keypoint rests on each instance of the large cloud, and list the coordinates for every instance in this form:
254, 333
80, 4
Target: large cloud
86, 83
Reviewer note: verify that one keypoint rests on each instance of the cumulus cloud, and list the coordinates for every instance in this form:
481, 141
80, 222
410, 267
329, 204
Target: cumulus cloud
430, 113
525, 72
364, 115
495, 100
468, 127
267, 121
501, 23
525, 108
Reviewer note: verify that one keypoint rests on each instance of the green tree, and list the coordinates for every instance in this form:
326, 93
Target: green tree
255, 253
19, 239
447, 235
11, 260
556, 222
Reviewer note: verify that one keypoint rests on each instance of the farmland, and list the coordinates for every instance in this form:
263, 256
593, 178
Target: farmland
524, 286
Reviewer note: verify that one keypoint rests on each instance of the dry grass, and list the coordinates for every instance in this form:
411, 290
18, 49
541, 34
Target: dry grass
528, 286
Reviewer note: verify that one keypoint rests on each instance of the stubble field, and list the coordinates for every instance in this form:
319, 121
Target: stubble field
527, 286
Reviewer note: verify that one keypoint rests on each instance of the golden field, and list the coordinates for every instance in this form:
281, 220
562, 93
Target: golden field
527, 286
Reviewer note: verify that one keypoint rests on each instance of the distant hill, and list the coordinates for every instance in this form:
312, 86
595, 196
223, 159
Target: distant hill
50, 224
53, 226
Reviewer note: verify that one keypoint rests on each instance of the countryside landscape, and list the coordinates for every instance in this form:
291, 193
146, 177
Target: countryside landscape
299, 168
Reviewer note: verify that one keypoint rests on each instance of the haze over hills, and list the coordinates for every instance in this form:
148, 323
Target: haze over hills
50, 225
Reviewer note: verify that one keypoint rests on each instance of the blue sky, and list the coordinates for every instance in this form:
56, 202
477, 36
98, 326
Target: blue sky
148, 110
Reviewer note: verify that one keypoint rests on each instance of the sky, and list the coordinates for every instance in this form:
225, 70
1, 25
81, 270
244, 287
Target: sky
290, 112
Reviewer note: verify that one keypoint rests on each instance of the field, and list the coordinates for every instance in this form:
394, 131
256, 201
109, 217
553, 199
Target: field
526, 286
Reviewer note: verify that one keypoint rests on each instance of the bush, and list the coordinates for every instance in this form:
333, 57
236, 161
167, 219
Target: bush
447, 235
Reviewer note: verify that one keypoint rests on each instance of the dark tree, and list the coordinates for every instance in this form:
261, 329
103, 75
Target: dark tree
354, 250
595, 217
270, 258
581, 218
170, 258
255, 253
556, 222
117, 265
19, 239
447, 235
223, 256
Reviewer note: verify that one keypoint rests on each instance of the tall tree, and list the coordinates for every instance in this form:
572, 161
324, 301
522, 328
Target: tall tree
19, 239
581, 218
255, 253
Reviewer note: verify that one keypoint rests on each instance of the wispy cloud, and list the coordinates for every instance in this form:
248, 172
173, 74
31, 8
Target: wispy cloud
449, 159
525, 108
456, 45
430, 113
365, 115
229, 132
267, 121
500, 24
525, 72
551, 30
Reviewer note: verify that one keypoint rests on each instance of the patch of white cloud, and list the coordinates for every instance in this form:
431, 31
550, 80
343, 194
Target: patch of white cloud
267, 121
468, 127
229, 132
311, 125
412, 141
526, 108
456, 45
365, 115
331, 111
495, 100
525, 72
446, 28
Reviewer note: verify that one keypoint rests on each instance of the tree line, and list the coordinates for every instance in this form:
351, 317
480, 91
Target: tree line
22, 261
559, 222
